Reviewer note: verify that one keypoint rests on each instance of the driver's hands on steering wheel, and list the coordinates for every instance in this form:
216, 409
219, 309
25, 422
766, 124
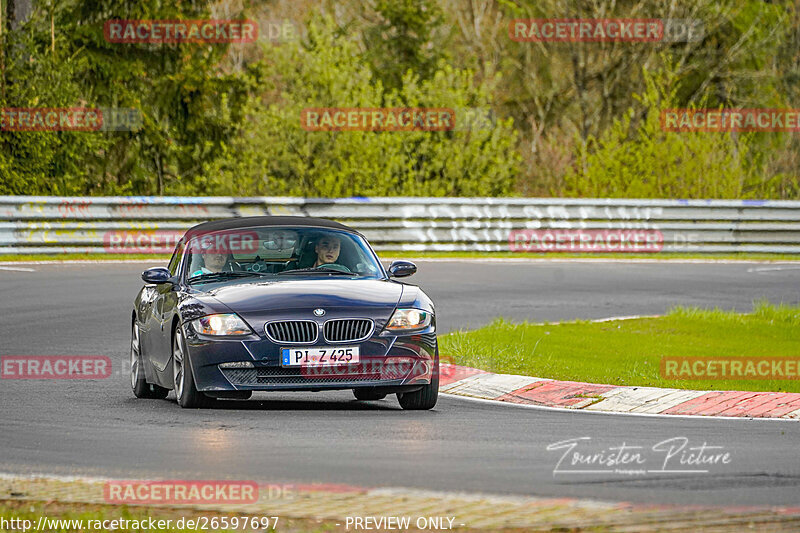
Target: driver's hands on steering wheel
335, 266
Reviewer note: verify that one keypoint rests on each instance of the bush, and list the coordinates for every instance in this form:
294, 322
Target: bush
644, 161
273, 155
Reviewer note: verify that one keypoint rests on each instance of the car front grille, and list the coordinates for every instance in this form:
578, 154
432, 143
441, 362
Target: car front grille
296, 376
347, 329
292, 331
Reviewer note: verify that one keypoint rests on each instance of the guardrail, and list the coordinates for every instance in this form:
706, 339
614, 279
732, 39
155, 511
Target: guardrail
54, 225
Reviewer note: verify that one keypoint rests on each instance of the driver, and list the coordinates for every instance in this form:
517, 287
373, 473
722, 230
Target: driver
211, 259
211, 263
327, 250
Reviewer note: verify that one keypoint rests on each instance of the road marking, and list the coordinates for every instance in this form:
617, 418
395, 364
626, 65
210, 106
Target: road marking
17, 269
758, 270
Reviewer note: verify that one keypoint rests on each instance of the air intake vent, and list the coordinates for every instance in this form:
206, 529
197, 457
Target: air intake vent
292, 331
347, 329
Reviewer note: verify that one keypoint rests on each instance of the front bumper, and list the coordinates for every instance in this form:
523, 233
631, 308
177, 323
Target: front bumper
397, 362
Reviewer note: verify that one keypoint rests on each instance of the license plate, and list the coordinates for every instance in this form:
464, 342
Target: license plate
328, 356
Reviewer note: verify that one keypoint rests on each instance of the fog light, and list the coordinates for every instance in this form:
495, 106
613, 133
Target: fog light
237, 364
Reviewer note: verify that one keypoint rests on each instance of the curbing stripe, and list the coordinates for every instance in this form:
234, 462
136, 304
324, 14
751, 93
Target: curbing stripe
571, 394
794, 415
489, 386
449, 373
628, 398
700, 404
745, 404
647, 401
779, 405
668, 401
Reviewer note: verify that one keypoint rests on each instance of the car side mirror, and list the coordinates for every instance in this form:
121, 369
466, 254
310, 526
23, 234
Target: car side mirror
157, 275
402, 269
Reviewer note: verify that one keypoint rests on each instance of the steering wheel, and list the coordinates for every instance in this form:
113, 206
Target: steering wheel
259, 266
336, 266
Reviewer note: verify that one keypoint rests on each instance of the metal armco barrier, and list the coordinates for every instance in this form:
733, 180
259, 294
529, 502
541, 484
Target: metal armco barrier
53, 225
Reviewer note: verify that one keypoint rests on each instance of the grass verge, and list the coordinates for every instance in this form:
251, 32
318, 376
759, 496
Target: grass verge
629, 352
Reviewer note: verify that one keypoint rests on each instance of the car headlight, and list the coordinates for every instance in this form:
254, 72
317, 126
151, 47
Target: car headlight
409, 320
223, 324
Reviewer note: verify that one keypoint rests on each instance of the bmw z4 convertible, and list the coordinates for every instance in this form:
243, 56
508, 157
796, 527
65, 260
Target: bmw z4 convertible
281, 304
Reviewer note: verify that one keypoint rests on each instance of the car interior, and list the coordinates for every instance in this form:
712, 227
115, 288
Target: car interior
295, 252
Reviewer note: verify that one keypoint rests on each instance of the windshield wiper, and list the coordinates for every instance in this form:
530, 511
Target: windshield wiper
216, 276
321, 270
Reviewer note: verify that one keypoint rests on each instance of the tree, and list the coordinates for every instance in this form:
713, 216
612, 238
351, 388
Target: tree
273, 155
404, 38
631, 160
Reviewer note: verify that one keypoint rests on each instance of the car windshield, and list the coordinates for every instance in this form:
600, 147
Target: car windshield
278, 253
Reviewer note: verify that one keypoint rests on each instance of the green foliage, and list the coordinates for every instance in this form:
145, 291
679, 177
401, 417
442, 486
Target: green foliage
225, 119
642, 160
274, 155
404, 39
42, 162
189, 105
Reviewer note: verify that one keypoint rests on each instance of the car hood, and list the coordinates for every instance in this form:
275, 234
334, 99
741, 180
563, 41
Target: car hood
298, 298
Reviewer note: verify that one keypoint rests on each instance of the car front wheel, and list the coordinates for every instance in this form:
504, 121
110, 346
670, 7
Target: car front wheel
186, 392
424, 398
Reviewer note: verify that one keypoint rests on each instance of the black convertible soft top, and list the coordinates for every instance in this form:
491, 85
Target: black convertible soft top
247, 222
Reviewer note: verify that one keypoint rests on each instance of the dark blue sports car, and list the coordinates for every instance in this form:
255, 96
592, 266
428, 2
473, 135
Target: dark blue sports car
281, 304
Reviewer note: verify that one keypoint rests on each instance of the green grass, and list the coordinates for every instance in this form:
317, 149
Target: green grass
431, 255
628, 352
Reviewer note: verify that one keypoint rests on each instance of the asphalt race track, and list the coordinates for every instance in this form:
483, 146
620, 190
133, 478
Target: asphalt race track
98, 428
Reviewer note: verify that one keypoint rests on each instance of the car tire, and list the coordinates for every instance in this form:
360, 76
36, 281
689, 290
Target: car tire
367, 395
141, 388
424, 398
186, 393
